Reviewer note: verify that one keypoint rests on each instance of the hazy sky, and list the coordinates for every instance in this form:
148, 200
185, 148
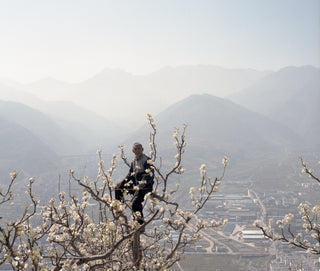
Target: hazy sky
74, 39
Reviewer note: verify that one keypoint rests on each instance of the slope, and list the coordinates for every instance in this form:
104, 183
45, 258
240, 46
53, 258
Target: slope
40, 125
290, 96
219, 124
22, 151
86, 131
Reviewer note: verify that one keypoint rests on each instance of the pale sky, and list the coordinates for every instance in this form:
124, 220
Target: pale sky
74, 39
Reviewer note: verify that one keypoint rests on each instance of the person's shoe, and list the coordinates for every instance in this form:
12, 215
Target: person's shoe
142, 229
140, 221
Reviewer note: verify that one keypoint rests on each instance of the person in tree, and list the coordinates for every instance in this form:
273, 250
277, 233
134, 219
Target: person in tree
138, 182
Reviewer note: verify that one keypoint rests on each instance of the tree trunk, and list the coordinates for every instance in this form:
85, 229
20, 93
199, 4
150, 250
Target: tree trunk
136, 251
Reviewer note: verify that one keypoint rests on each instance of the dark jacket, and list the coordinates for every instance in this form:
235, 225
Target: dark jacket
141, 170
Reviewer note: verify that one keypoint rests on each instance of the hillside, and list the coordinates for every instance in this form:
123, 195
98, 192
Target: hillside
82, 129
90, 130
219, 125
48, 89
23, 151
40, 125
290, 96
9, 93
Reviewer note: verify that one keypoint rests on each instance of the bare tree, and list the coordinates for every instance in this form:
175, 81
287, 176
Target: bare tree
68, 237
309, 236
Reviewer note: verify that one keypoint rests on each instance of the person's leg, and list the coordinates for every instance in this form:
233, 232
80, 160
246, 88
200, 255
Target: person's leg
138, 198
118, 192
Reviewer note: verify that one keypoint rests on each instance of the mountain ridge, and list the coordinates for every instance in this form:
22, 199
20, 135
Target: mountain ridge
113, 92
223, 125
289, 96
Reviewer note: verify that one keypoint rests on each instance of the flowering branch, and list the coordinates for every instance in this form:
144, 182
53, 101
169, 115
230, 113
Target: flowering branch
308, 240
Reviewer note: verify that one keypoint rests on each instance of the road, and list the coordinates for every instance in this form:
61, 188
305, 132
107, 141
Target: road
262, 207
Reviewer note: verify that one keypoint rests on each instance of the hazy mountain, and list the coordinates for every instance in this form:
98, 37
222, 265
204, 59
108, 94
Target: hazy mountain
290, 96
180, 82
23, 151
87, 128
34, 144
116, 95
40, 125
121, 96
49, 89
9, 93
218, 127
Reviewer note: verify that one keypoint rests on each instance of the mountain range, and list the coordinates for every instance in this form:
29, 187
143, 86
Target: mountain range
123, 97
85, 127
217, 127
273, 116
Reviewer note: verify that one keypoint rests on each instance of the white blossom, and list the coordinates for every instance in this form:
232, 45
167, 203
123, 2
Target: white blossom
14, 174
225, 161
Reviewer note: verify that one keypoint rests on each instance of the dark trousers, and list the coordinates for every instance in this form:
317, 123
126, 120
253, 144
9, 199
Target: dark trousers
138, 195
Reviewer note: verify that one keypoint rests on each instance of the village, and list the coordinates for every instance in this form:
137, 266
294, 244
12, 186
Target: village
240, 237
